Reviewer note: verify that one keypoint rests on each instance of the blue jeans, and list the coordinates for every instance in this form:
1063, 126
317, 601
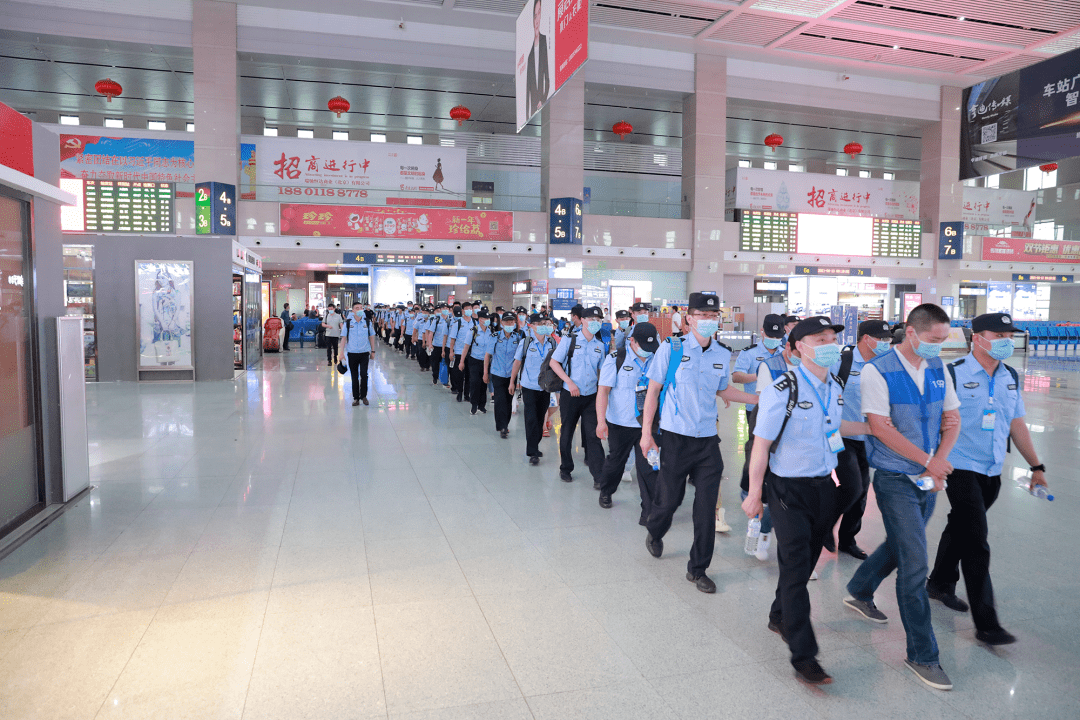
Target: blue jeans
905, 509
766, 518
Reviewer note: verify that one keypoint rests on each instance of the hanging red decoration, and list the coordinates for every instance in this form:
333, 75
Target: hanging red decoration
1048, 167
622, 129
338, 105
774, 141
460, 113
853, 149
109, 88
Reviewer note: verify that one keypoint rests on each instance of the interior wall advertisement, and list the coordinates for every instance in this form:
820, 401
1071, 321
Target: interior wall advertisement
999, 208
1022, 119
396, 222
999, 297
96, 157
1001, 249
552, 44
164, 299
288, 169
760, 189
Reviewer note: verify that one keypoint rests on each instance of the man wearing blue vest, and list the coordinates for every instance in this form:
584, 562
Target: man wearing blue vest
689, 446
910, 385
991, 410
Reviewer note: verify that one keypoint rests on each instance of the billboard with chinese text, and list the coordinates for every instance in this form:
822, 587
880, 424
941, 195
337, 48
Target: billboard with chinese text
552, 44
999, 249
94, 157
759, 189
289, 169
998, 208
396, 222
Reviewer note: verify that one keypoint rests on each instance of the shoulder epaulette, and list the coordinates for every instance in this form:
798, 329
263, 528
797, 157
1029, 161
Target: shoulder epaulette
726, 347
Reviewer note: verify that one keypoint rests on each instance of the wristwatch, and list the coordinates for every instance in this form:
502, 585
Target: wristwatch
1038, 468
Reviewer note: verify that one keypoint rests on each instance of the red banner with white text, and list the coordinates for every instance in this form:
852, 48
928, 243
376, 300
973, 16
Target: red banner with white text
396, 222
1010, 249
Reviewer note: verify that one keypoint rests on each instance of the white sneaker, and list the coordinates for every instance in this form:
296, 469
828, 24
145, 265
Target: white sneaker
813, 575
626, 477
763, 547
721, 523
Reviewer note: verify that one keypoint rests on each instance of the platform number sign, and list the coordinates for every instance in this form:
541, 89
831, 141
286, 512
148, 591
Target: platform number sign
566, 221
215, 209
951, 241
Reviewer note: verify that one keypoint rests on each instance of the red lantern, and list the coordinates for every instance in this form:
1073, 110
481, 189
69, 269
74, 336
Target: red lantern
338, 105
109, 88
460, 113
622, 129
774, 141
1048, 167
853, 149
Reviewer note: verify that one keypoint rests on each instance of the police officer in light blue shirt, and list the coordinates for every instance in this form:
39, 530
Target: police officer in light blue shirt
621, 330
436, 339
475, 350
499, 366
526, 373
689, 445
577, 362
409, 324
991, 410
460, 332
797, 438
356, 341
623, 377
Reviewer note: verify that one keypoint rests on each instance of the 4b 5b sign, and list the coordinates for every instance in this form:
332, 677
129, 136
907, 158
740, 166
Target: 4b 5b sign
215, 209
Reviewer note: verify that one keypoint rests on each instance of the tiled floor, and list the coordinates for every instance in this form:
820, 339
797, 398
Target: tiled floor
261, 549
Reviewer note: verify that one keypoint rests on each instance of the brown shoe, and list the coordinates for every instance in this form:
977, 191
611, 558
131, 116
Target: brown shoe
355, 403
364, 400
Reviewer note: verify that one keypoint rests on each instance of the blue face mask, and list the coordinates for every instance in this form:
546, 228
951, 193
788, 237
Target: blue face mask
642, 353
825, 355
707, 328
484, 323
882, 346
623, 324
794, 361
521, 318
644, 317
542, 330
928, 350
593, 326
771, 343
1002, 348
468, 313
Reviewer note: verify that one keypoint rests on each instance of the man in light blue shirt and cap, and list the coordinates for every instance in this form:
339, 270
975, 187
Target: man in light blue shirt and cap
580, 353
528, 358
356, 339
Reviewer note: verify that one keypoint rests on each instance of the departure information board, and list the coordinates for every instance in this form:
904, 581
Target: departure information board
766, 231
128, 206
897, 238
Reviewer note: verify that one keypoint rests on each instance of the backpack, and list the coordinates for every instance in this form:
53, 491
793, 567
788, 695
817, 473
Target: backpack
546, 378
1016, 381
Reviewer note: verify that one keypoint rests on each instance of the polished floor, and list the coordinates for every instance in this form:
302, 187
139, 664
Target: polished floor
261, 549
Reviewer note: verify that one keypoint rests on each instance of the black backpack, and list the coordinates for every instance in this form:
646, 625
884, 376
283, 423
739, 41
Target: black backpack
546, 378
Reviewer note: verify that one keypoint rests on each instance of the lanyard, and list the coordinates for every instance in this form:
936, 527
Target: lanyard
991, 383
828, 397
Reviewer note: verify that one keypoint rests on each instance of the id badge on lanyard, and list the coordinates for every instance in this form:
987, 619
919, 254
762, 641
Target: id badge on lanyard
989, 418
832, 434
836, 443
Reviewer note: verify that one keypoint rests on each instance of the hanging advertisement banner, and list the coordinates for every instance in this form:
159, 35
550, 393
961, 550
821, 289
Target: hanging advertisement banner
999, 297
552, 44
999, 249
759, 189
129, 158
392, 222
382, 173
999, 208
1022, 119
163, 294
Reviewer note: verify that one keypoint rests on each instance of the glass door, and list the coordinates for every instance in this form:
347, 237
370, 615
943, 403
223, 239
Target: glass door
21, 485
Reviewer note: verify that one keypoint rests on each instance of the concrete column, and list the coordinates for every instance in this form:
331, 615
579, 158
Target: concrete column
704, 167
562, 149
217, 103
941, 195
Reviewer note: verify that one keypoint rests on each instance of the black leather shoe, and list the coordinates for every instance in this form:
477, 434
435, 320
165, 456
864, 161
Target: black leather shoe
947, 599
829, 543
595, 485
809, 672
504, 434
539, 454
704, 584
565, 476
995, 637
355, 402
364, 400
854, 551
642, 521
656, 547
777, 628
459, 398
534, 460
472, 411
483, 410
605, 501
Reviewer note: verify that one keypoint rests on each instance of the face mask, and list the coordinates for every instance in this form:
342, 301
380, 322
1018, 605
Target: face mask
882, 346
623, 324
824, 355
542, 330
521, 318
1002, 348
794, 361
484, 323
707, 328
928, 350
468, 313
642, 353
507, 329
644, 317
594, 327
771, 343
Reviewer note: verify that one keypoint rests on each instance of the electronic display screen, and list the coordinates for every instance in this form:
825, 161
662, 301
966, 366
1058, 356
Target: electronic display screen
120, 206
766, 231
810, 234
834, 235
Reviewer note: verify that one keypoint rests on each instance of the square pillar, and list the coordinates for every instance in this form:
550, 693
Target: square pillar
941, 195
217, 103
562, 162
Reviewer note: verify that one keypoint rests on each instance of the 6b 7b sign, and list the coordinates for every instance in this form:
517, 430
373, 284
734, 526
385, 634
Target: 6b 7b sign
566, 221
215, 209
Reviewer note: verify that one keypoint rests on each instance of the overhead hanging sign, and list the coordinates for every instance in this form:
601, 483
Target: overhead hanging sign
552, 44
951, 241
392, 222
1022, 119
999, 249
759, 189
999, 208
288, 169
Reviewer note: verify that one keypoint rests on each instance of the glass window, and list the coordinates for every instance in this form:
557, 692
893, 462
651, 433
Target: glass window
770, 165
796, 168
69, 119
114, 122
864, 173
414, 140
341, 135
992, 181
155, 125
269, 131
305, 133
744, 163
842, 172
191, 127
889, 176
378, 137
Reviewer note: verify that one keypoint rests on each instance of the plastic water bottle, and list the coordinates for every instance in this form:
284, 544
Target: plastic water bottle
753, 535
923, 482
654, 458
1038, 491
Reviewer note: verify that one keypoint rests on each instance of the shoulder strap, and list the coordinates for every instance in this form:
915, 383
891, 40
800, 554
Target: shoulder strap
1012, 371
847, 357
672, 368
525, 350
789, 381
952, 369
570, 355
620, 356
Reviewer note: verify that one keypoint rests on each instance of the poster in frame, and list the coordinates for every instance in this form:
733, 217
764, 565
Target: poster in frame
164, 300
